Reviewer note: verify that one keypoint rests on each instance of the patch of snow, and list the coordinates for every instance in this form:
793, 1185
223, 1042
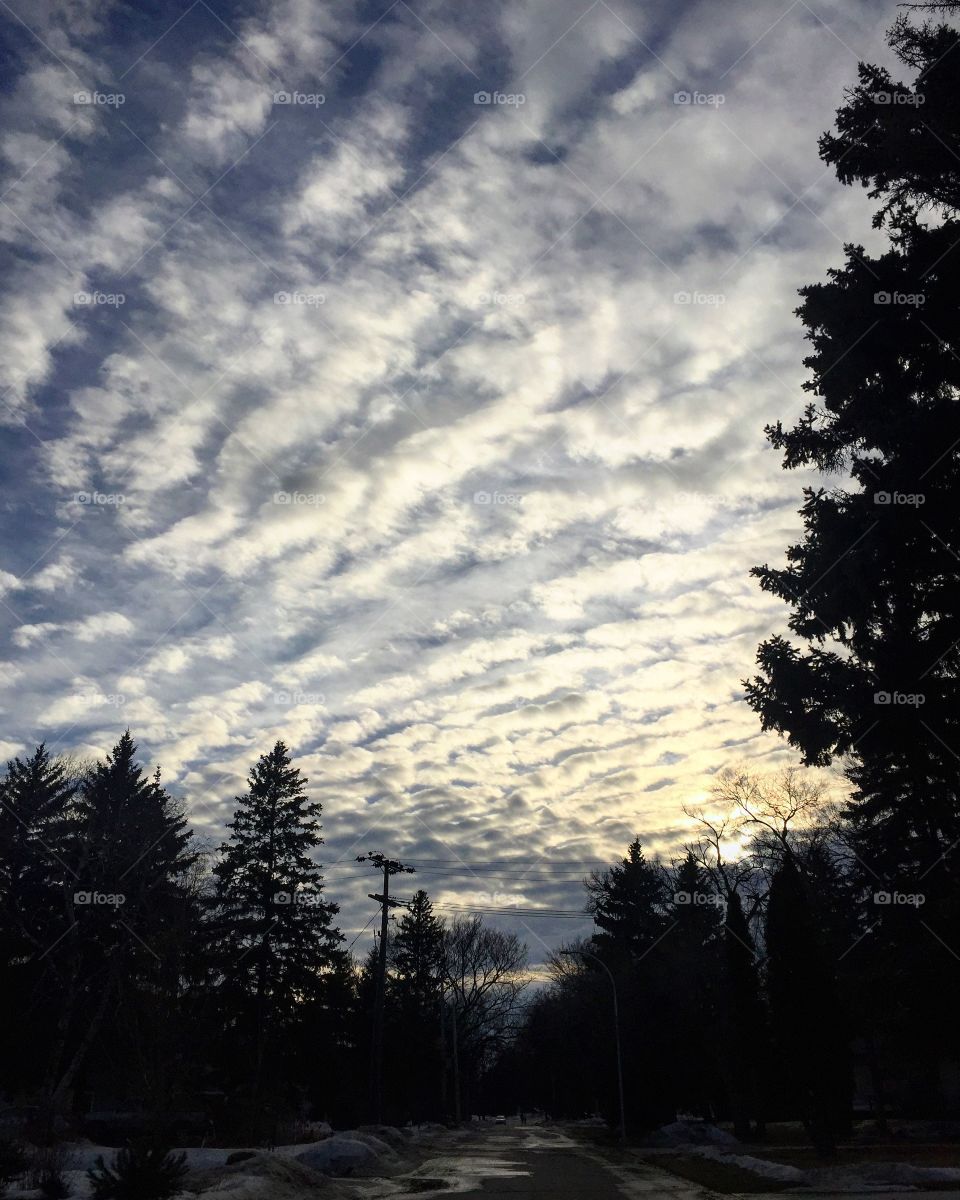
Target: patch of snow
758, 1166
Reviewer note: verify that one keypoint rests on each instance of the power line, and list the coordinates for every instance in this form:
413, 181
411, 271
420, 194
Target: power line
514, 911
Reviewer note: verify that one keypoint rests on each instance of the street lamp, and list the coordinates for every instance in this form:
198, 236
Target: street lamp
616, 1029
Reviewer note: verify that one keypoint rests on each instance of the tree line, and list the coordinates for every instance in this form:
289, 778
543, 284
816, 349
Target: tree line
209, 988
767, 974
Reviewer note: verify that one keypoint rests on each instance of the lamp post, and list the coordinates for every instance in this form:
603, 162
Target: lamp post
616, 1029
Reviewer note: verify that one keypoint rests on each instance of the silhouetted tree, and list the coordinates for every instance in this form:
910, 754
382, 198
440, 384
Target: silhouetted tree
809, 1032
627, 902
275, 930
873, 585
128, 856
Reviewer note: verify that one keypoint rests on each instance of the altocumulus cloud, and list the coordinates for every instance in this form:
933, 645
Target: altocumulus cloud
390, 378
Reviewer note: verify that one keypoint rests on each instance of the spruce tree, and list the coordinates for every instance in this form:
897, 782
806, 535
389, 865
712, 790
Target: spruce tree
417, 951
628, 904
692, 949
35, 800
871, 669
873, 584
413, 1045
276, 931
129, 854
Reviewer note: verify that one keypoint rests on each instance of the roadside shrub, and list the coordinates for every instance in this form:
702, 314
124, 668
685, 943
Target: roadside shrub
13, 1163
143, 1171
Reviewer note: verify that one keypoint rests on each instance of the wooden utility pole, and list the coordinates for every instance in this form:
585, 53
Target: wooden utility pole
443, 1055
456, 1060
389, 866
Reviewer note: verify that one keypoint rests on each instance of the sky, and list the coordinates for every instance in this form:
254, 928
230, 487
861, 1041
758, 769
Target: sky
390, 378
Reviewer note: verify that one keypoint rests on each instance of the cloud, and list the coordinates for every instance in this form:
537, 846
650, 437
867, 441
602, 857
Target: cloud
427, 434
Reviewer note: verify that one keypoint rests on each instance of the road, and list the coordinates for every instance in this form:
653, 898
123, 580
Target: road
486, 1162
534, 1161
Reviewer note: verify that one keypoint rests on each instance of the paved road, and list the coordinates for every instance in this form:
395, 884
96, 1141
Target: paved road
488, 1162
543, 1162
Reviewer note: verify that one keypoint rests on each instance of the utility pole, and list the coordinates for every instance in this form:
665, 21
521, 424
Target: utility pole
389, 866
443, 1055
456, 1059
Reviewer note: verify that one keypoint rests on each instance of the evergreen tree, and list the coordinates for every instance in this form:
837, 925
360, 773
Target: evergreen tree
873, 585
276, 930
417, 950
128, 855
628, 904
35, 800
745, 1043
692, 949
808, 1028
417, 959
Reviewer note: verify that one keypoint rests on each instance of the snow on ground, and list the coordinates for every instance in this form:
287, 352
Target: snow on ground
859, 1177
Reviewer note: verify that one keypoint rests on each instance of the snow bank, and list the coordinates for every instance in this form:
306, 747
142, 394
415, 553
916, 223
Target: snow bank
376, 1144
399, 1139
690, 1133
263, 1177
340, 1155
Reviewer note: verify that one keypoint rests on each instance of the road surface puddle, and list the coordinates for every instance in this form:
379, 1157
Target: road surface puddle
460, 1173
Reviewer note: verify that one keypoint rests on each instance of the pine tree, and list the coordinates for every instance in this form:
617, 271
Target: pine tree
128, 854
692, 950
277, 932
417, 951
628, 904
871, 668
417, 960
35, 800
873, 585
